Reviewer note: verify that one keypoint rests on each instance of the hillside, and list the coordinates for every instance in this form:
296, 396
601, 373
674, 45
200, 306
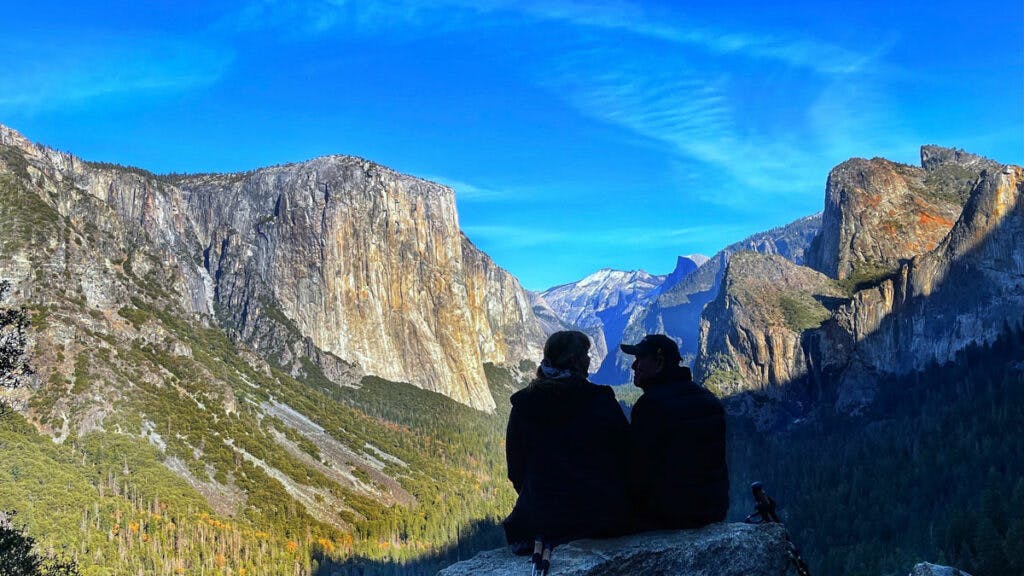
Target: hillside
921, 265
187, 414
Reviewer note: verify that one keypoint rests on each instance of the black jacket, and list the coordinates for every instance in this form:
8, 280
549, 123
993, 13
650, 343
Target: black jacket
680, 477
567, 451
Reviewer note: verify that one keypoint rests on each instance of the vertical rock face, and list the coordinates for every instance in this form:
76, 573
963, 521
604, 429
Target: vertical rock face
751, 332
506, 328
969, 289
368, 264
879, 213
677, 309
926, 262
339, 260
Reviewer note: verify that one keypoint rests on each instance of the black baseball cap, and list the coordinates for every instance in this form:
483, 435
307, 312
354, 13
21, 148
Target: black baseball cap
652, 344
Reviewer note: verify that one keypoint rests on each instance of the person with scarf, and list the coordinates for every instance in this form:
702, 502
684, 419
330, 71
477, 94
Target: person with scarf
567, 449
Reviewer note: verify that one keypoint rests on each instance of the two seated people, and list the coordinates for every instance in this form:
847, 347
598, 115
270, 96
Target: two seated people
582, 471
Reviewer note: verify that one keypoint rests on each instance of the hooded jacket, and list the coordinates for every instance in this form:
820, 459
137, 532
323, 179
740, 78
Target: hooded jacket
567, 451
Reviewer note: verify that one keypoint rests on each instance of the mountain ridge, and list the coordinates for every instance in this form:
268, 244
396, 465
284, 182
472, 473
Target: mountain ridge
892, 308
239, 227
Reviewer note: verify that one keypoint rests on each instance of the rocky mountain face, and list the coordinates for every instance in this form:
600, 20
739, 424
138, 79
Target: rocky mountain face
602, 304
879, 213
677, 309
337, 260
614, 307
968, 289
921, 262
366, 263
750, 334
254, 351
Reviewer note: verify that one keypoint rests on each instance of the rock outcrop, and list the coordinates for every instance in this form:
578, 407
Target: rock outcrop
925, 262
367, 263
337, 260
879, 213
967, 290
677, 309
926, 569
751, 334
720, 549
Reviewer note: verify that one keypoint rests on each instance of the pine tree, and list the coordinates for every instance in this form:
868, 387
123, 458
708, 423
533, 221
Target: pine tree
18, 557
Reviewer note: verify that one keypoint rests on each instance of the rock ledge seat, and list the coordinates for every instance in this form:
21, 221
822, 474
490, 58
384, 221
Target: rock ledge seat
725, 549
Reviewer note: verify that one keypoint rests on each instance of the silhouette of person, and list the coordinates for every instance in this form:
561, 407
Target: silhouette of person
567, 451
679, 474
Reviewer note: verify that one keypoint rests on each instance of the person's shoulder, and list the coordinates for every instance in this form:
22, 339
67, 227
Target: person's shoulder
703, 398
601, 390
521, 397
650, 405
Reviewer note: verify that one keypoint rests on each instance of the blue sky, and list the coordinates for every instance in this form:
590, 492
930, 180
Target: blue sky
577, 134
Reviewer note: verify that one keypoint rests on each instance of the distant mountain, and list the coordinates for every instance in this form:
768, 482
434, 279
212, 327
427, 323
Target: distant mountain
676, 309
685, 265
601, 305
246, 371
886, 374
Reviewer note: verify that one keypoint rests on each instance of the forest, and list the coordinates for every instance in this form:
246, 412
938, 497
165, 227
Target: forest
932, 471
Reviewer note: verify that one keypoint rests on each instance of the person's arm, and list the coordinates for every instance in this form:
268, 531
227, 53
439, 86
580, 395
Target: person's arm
642, 435
613, 427
515, 451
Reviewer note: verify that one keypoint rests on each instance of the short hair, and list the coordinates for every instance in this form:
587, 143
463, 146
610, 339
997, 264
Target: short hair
565, 347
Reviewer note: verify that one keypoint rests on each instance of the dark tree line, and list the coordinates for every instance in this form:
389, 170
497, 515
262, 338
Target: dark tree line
933, 471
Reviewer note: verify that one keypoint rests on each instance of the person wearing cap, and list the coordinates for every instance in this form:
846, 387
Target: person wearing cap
679, 474
567, 449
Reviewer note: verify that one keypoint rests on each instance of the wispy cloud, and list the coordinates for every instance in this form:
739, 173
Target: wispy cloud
350, 17
314, 17
633, 18
466, 192
60, 75
695, 117
690, 110
633, 237
853, 119
515, 236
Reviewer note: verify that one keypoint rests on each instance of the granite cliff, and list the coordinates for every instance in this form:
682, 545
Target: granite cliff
918, 263
337, 260
879, 213
969, 289
676, 310
750, 335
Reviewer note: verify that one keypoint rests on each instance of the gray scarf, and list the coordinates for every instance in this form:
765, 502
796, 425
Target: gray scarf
553, 373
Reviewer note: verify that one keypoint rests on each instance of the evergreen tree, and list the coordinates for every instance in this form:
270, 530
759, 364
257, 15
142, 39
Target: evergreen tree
18, 557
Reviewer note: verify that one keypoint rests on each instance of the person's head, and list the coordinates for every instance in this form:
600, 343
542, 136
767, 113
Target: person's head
567, 350
656, 356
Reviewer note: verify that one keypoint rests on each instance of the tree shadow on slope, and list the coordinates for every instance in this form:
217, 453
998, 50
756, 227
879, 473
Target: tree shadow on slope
932, 469
479, 536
